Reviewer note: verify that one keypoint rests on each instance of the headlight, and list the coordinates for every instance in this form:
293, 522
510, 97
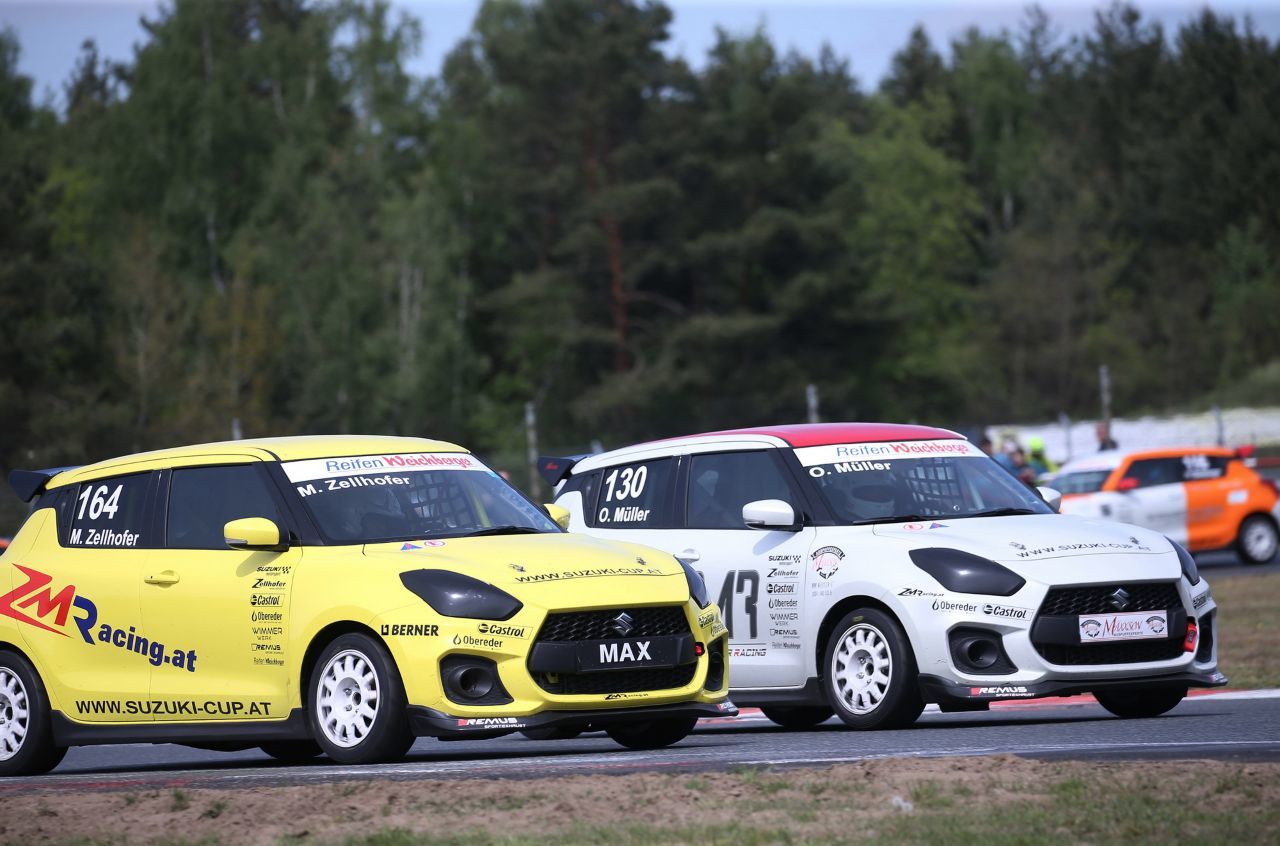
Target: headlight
455, 595
962, 572
1189, 568
697, 585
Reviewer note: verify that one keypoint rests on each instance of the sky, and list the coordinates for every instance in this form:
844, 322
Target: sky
865, 32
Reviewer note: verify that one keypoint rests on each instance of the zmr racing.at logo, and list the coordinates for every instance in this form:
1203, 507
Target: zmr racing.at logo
35, 603
37, 594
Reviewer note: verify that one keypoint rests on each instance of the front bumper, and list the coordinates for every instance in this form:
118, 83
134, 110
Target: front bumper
967, 695
428, 722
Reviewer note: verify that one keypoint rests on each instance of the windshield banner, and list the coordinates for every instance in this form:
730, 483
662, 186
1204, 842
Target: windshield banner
368, 465
873, 452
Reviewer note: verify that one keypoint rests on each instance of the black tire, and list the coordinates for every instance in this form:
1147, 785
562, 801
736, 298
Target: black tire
293, 751
334, 707
862, 704
1258, 539
794, 717
23, 702
1143, 702
652, 734
552, 733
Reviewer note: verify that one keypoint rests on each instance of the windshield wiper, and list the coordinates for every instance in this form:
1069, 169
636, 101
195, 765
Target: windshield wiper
997, 512
897, 518
502, 530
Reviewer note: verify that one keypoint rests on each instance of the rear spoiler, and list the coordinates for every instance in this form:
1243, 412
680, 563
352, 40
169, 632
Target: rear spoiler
28, 484
555, 470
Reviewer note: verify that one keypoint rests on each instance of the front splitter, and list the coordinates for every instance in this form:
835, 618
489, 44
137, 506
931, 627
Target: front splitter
428, 722
946, 692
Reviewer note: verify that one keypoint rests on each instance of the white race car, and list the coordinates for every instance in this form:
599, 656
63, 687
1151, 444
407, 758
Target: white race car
866, 569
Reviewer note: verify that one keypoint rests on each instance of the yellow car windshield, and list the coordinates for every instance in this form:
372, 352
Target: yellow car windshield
376, 498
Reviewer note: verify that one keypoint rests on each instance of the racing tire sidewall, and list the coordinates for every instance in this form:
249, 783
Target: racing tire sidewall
798, 717
388, 737
652, 734
901, 702
1257, 523
37, 753
1138, 704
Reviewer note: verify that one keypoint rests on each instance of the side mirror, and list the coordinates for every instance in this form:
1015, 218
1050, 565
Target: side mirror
255, 534
1051, 497
770, 514
1128, 483
559, 514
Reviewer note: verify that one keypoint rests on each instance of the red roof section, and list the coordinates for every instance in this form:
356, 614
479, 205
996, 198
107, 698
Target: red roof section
824, 434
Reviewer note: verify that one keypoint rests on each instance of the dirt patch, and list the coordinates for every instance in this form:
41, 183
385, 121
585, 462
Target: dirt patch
888, 798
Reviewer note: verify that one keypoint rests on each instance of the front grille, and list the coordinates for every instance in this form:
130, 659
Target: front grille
1120, 652
571, 626
594, 625
1151, 596
1057, 621
617, 681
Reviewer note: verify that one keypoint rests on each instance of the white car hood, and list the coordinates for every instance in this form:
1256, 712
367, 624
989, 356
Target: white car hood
1052, 548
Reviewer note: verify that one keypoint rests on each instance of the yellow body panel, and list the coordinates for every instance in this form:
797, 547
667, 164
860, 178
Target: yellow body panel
223, 636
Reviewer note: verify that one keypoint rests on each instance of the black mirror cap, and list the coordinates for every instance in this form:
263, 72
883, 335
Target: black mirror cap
452, 594
964, 572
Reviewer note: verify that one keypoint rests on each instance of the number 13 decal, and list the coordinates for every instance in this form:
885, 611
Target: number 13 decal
745, 582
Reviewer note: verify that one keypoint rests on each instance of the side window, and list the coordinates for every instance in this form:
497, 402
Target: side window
631, 496
204, 499
109, 514
720, 484
1198, 466
584, 484
1156, 471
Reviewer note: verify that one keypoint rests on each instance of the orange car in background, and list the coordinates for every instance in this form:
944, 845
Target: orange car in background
1204, 498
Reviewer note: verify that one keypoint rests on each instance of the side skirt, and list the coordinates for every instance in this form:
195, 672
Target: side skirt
69, 733
809, 695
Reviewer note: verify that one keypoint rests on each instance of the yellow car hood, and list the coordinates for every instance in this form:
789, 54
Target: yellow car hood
554, 570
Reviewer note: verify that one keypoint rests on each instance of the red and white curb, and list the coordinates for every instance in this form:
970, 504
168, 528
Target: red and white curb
754, 715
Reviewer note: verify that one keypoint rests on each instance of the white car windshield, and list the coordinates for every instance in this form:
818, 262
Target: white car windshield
1080, 482
896, 482
376, 498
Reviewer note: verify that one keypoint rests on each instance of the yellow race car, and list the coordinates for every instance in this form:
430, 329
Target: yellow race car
335, 595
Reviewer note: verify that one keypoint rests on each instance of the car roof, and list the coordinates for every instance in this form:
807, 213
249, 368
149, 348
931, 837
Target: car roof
256, 449
786, 435
1113, 458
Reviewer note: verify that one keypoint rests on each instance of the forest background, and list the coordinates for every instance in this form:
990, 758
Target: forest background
264, 225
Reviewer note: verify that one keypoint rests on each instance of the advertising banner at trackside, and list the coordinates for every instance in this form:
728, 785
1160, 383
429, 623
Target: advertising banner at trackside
363, 465
949, 448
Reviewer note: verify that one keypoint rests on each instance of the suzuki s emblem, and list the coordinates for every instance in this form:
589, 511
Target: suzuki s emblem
1119, 599
518, 568
623, 624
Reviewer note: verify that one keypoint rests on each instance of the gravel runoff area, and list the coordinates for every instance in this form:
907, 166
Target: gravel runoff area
989, 800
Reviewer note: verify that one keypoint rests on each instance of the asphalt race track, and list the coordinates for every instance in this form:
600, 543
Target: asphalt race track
1242, 725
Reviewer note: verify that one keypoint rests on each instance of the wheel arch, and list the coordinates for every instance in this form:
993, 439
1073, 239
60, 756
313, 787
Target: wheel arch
1267, 515
322, 639
838, 610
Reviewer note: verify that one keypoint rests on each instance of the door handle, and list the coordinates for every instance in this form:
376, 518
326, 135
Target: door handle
689, 556
168, 577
